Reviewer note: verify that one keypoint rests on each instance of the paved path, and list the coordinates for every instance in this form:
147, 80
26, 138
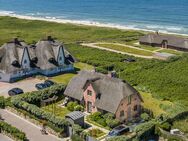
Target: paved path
32, 131
93, 45
4, 138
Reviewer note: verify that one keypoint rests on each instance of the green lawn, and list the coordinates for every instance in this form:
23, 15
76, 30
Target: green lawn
65, 78
125, 49
56, 109
96, 133
149, 48
182, 125
171, 51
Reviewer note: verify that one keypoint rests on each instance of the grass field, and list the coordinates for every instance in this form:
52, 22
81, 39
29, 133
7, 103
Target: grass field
125, 49
171, 51
182, 125
65, 78
154, 104
32, 31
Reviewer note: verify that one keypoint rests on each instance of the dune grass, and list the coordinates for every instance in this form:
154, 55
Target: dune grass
125, 49
154, 104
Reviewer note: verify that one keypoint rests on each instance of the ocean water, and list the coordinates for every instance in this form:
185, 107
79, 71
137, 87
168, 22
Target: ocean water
168, 16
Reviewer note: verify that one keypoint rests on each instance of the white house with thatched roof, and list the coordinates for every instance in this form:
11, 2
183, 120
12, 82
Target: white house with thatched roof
48, 57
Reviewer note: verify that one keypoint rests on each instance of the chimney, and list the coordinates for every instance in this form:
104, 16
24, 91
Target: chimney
49, 38
112, 74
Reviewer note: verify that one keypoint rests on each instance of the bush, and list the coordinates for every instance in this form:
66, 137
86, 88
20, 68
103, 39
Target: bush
2, 102
112, 122
102, 122
79, 108
145, 117
76, 138
14, 132
77, 129
71, 106
96, 116
119, 138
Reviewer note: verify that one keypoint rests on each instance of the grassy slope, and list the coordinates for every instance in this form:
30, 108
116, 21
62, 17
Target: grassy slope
125, 49
32, 31
165, 80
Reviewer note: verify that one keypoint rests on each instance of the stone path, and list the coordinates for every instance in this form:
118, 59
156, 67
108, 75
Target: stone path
32, 131
93, 45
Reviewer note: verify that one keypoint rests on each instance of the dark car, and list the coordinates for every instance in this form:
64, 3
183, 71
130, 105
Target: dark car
129, 60
40, 86
49, 83
15, 91
119, 130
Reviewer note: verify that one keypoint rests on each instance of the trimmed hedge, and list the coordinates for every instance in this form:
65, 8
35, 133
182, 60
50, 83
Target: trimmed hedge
12, 131
28, 102
2, 102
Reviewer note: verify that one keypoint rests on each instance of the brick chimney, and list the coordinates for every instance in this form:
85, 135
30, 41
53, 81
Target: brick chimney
112, 74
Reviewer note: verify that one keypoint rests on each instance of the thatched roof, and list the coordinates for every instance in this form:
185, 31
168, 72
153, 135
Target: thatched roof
156, 38
43, 55
110, 91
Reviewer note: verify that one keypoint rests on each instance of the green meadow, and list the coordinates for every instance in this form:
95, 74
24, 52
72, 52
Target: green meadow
166, 81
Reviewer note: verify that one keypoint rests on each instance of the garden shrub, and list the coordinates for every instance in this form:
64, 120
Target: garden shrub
79, 108
71, 105
2, 102
76, 137
145, 116
77, 129
14, 132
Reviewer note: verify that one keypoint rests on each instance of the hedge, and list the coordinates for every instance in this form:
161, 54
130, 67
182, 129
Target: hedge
2, 102
12, 131
28, 102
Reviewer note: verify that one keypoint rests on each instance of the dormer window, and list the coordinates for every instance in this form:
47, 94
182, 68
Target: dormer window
25, 61
89, 92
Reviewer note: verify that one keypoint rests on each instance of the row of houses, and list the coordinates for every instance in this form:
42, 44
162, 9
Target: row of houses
47, 57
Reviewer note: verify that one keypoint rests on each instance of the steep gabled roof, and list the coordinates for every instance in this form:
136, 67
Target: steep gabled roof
110, 90
12, 56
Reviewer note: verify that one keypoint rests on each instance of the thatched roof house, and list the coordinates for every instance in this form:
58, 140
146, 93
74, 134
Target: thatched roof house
47, 57
165, 41
107, 93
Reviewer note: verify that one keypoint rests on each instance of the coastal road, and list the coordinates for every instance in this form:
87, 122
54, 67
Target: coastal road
32, 131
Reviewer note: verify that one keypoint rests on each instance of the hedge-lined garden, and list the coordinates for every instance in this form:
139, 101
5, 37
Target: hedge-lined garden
29, 104
12, 132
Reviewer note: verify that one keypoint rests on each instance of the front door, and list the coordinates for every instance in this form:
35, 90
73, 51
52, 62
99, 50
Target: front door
129, 114
89, 107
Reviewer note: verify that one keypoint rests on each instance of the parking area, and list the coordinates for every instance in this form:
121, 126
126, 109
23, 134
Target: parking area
27, 85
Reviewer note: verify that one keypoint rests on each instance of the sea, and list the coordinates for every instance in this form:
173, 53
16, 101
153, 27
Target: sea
167, 16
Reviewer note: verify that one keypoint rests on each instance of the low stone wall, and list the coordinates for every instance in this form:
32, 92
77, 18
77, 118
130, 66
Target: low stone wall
48, 129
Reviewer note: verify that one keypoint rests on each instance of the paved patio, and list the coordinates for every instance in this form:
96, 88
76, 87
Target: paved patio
27, 85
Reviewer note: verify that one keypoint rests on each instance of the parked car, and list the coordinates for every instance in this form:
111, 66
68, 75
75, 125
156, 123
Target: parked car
129, 60
40, 86
49, 83
15, 91
117, 131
